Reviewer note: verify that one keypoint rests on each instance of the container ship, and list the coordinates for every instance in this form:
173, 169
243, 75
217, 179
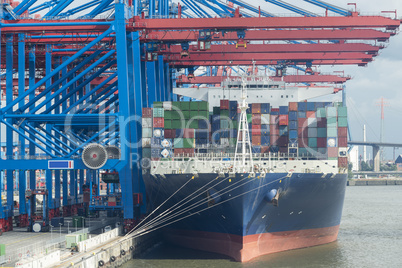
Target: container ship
246, 179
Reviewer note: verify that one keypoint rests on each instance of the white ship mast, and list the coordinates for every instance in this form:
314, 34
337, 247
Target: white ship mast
245, 154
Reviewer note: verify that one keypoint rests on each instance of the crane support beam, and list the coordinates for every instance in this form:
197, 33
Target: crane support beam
265, 22
278, 48
185, 64
270, 35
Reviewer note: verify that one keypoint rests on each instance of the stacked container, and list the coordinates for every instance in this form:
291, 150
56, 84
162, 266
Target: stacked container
308, 129
342, 136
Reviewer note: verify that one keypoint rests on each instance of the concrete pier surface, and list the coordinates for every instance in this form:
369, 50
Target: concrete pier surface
374, 182
21, 244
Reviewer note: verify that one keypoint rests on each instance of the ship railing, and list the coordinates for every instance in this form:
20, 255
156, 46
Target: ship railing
222, 157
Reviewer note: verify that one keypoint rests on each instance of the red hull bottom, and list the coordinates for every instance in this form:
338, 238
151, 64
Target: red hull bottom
248, 247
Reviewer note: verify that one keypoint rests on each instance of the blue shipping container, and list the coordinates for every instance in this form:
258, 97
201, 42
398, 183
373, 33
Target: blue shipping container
293, 125
265, 140
256, 149
301, 106
310, 106
301, 114
283, 110
293, 134
265, 108
202, 124
292, 116
233, 106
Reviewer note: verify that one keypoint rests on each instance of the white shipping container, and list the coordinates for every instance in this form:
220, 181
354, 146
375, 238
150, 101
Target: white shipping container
146, 122
167, 105
146, 142
225, 141
146, 132
312, 122
265, 119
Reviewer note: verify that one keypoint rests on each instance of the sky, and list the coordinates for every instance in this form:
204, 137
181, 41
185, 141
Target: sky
381, 78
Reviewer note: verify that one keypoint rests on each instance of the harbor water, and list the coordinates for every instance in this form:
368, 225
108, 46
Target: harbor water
370, 236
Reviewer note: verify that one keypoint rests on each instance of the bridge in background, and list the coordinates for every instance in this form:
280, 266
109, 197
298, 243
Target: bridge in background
376, 150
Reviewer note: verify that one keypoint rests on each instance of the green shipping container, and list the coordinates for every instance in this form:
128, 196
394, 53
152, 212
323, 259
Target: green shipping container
331, 112
186, 114
232, 142
216, 110
225, 113
72, 240
168, 124
194, 105
235, 124
176, 115
332, 158
203, 106
188, 143
175, 105
249, 118
332, 132
194, 113
167, 114
177, 124
2, 249
321, 113
204, 114
193, 124
332, 122
185, 105
158, 112
342, 112
158, 104
342, 122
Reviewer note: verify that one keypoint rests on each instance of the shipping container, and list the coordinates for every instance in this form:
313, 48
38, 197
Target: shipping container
283, 119
312, 122
332, 132
283, 110
321, 113
310, 106
293, 125
256, 108
256, 149
146, 122
274, 119
342, 131
158, 104
321, 142
342, 111
256, 140
146, 132
293, 135
310, 114
332, 142
158, 122
158, 112
146, 112
256, 119
224, 104
265, 140
265, 119
322, 122
331, 112
302, 106
292, 106
343, 162
265, 107
321, 132
292, 116
342, 121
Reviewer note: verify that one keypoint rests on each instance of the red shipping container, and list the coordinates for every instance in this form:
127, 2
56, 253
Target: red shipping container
342, 141
310, 114
274, 139
321, 122
159, 122
256, 108
224, 105
256, 130
264, 149
303, 142
274, 129
342, 132
322, 142
178, 151
147, 112
169, 133
188, 152
283, 119
256, 119
256, 140
303, 132
292, 106
188, 133
274, 110
333, 151
274, 119
302, 122
343, 162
